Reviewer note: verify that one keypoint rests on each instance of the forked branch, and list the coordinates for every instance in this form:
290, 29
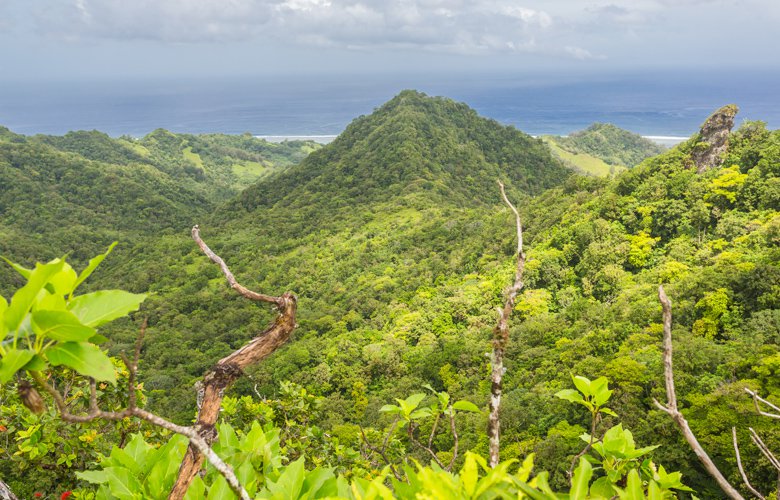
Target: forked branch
231, 367
671, 406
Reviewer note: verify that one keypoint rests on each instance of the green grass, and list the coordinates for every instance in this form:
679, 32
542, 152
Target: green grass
584, 162
193, 157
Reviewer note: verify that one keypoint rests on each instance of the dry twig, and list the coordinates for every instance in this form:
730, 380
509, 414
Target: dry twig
741, 469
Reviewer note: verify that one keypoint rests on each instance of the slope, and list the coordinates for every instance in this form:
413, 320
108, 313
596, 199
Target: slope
602, 146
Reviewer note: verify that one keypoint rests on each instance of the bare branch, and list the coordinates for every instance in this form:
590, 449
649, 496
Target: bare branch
426, 448
235, 285
757, 399
741, 469
764, 449
501, 338
671, 406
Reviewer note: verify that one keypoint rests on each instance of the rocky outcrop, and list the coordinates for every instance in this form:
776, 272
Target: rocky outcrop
713, 140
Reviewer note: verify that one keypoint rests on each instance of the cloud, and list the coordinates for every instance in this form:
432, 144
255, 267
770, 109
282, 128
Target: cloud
581, 54
458, 26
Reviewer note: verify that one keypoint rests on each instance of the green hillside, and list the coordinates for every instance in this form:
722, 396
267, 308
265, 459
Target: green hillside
79, 192
395, 240
603, 149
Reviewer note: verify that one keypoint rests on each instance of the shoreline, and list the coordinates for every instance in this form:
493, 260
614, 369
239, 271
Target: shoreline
663, 140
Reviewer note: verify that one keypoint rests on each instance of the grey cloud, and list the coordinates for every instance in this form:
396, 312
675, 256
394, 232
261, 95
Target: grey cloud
458, 26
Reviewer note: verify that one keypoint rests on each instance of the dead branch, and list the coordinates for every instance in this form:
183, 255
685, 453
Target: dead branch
757, 399
501, 338
741, 469
415, 441
5, 492
671, 406
231, 367
764, 449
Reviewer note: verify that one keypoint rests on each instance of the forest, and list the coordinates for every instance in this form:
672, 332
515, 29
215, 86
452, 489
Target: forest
398, 248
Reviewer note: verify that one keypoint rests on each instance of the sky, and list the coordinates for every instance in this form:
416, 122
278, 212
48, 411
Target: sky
87, 39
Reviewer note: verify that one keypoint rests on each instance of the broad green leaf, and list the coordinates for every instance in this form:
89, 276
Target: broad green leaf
608, 412
570, 395
12, 362
220, 490
25, 297
469, 474
63, 281
247, 476
290, 483
93, 476
633, 489
94, 309
464, 405
138, 449
654, 491
3, 307
524, 472
390, 409
19, 269
583, 385
123, 484
52, 302
36, 364
93, 263
601, 392
197, 489
421, 413
579, 483
601, 487
84, 358
320, 483
62, 326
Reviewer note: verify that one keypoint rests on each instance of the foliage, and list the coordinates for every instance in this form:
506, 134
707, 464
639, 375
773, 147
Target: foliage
613, 145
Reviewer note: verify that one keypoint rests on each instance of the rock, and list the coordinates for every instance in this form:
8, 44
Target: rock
713, 140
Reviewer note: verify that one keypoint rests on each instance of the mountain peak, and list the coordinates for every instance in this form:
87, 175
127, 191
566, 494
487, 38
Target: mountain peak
415, 143
713, 139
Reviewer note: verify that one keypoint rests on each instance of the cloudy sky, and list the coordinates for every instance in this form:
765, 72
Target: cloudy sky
174, 38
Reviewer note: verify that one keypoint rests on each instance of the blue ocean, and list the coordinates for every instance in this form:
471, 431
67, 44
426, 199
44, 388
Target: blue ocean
651, 104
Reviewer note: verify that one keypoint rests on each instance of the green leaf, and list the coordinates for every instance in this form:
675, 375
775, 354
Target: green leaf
220, 490
601, 487
25, 297
93, 263
3, 308
13, 361
464, 405
633, 489
94, 309
197, 489
63, 281
62, 326
654, 491
19, 269
421, 413
36, 364
123, 484
608, 412
579, 483
410, 403
84, 358
469, 474
570, 395
390, 409
93, 476
583, 385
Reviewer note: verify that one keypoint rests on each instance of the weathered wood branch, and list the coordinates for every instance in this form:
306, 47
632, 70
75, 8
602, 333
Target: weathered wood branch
501, 338
742, 473
230, 368
5, 492
758, 399
671, 406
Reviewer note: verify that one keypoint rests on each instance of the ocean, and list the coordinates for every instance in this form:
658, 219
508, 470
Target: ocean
666, 106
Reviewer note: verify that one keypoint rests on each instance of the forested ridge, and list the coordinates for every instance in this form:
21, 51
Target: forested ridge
396, 242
